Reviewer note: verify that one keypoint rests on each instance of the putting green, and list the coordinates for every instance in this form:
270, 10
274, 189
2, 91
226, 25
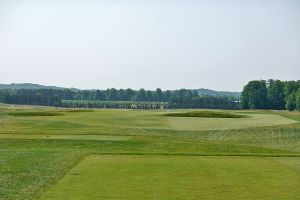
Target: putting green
178, 177
254, 120
65, 137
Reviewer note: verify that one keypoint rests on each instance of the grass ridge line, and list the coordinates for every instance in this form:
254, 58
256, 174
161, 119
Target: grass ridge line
198, 154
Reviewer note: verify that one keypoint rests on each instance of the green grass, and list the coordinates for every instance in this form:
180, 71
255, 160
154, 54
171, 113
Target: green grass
179, 177
26, 174
253, 120
38, 150
66, 137
126, 122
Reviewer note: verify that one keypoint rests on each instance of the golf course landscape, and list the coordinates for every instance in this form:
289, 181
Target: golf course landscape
150, 100
177, 154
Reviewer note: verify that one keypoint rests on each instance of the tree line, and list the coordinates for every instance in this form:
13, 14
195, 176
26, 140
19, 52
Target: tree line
257, 94
113, 98
271, 94
114, 104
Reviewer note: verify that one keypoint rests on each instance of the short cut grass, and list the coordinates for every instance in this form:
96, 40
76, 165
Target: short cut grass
178, 177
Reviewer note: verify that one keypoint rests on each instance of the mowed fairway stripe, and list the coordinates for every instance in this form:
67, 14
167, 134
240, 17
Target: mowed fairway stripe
178, 177
65, 137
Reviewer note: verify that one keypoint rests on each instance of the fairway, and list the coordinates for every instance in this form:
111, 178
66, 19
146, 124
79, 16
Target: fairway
177, 177
122, 122
53, 153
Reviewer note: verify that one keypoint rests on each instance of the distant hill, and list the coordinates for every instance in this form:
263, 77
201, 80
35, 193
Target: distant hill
27, 86
201, 91
207, 92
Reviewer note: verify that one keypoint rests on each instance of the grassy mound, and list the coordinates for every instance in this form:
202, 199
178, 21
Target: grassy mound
77, 110
33, 114
206, 114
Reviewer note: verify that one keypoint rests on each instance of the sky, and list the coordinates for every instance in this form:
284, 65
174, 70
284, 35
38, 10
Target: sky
170, 44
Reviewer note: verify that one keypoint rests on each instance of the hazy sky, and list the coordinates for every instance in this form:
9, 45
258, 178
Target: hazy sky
170, 44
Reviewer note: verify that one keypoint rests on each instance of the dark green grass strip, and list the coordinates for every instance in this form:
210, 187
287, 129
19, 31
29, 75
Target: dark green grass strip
76, 110
206, 114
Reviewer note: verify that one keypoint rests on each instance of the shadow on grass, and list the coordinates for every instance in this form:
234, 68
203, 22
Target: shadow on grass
206, 114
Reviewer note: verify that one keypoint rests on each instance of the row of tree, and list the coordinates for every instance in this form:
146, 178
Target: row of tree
257, 94
114, 104
175, 99
271, 94
31, 97
107, 95
198, 102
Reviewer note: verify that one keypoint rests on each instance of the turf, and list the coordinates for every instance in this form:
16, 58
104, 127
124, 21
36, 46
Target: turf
253, 120
160, 177
26, 174
65, 137
36, 152
125, 122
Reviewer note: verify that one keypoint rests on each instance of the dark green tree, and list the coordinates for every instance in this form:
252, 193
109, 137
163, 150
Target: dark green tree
254, 95
159, 94
290, 102
141, 95
276, 95
297, 96
129, 94
100, 96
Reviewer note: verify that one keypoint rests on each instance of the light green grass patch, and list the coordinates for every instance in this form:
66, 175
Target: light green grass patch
291, 162
178, 177
65, 137
254, 120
